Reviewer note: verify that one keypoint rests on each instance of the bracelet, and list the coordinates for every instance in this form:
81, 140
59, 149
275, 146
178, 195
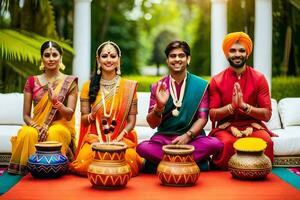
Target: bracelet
191, 134
249, 108
45, 126
158, 112
88, 118
230, 109
33, 125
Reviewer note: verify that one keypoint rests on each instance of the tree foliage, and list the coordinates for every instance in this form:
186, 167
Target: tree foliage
25, 25
160, 43
109, 22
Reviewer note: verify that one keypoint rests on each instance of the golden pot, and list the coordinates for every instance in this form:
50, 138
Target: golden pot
178, 167
109, 168
250, 163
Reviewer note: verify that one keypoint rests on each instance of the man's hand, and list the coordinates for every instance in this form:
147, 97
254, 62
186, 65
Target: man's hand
182, 139
162, 94
241, 104
235, 97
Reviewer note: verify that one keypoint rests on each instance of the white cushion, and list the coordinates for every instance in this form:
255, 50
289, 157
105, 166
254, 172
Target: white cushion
144, 132
288, 141
143, 105
274, 123
289, 111
6, 131
11, 106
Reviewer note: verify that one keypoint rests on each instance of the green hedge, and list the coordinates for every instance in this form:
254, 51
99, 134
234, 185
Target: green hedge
281, 86
285, 87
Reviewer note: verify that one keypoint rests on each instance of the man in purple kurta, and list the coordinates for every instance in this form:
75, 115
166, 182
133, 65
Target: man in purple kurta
179, 110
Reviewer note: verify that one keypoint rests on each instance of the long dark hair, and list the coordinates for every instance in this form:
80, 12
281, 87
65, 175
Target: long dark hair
95, 80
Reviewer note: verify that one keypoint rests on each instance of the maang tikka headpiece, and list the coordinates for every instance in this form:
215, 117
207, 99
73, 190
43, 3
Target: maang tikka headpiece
109, 42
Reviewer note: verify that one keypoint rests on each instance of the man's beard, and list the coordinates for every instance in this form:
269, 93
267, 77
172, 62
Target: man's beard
239, 65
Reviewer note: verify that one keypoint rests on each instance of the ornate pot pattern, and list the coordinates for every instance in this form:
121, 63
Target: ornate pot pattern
178, 167
47, 161
109, 168
249, 163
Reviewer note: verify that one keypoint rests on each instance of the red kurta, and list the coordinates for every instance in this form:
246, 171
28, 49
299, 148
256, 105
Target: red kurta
256, 92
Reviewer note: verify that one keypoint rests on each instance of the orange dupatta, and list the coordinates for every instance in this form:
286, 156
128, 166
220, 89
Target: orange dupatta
123, 100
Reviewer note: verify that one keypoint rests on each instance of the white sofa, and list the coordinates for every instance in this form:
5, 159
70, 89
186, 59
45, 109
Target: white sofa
285, 122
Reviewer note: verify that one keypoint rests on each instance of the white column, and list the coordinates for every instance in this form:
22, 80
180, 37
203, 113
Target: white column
263, 38
82, 40
218, 32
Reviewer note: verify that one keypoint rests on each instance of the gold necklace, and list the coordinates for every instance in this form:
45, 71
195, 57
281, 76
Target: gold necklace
47, 81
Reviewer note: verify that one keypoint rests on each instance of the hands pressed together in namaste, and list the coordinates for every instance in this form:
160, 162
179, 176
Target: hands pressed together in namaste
237, 101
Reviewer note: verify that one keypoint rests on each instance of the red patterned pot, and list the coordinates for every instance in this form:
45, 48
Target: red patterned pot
109, 168
178, 167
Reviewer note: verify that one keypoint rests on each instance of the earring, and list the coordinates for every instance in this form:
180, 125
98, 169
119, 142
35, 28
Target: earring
118, 71
42, 67
98, 70
62, 66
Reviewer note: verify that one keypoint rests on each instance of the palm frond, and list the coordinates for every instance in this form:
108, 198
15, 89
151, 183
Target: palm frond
22, 46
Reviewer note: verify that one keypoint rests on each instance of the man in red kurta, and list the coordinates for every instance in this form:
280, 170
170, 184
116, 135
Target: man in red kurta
239, 100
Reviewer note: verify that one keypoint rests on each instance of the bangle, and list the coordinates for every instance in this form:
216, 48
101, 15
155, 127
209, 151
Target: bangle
249, 108
230, 109
88, 118
33, 125
45, 127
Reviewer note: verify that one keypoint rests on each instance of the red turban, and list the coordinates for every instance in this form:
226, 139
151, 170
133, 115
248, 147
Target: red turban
239, 37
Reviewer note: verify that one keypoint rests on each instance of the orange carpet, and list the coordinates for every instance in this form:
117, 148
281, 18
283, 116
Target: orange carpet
210, 185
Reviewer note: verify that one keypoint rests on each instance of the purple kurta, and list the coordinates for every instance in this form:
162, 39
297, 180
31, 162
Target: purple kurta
205, 146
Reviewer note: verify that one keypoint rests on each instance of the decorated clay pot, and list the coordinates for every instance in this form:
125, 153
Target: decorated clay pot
109, 168
178, 167
250, 162
47, 161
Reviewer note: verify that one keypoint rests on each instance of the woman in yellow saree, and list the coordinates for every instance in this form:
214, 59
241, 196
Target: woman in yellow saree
53, 95
108, 110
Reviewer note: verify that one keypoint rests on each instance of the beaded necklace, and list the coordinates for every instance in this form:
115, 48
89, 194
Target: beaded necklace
177, 101
109, 128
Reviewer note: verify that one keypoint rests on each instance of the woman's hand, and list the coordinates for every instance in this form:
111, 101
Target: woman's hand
42, 134
54, 98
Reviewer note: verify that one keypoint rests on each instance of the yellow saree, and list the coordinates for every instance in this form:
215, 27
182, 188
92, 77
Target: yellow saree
61, 130
125, 103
